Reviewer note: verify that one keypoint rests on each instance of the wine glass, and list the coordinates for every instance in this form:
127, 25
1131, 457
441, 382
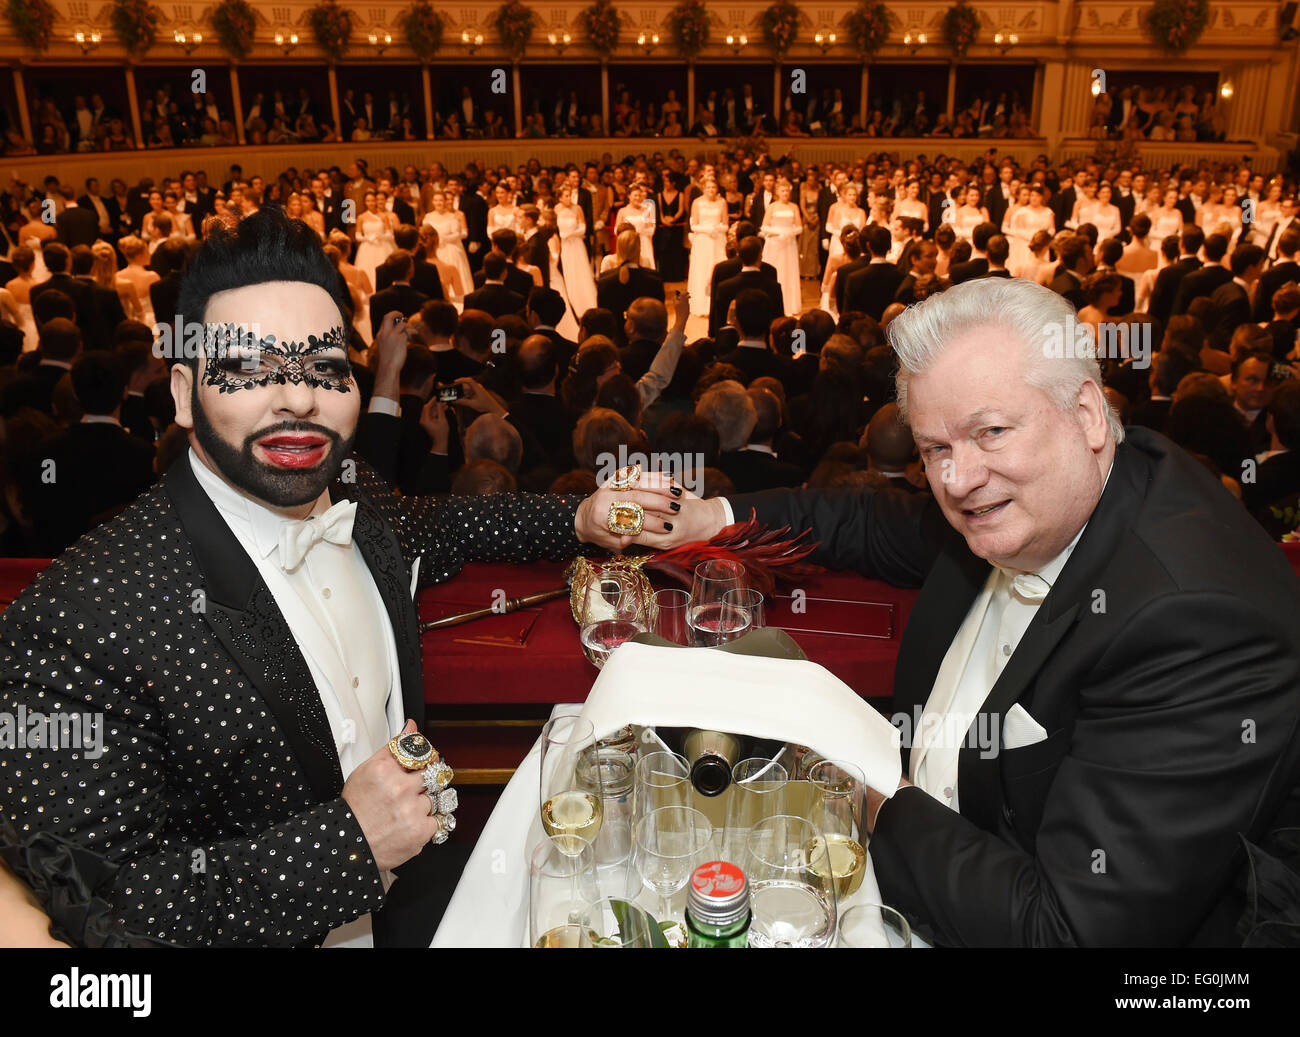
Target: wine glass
616, 779
710, 620
874, 925
561, 886
572, 788
793, 904
613, 922
839, 789
614, 610
749, 603
663, 779
758, 791
672, 609
671, 842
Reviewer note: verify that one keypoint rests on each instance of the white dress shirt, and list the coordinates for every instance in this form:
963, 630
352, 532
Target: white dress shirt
338, 619
985, 642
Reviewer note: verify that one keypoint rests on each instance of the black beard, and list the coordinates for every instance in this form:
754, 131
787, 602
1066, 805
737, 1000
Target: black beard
278, 487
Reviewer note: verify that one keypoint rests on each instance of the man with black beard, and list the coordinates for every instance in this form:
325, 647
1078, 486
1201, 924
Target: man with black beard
246, 632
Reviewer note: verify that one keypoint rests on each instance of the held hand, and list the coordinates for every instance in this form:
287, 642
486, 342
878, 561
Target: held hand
478, 398
390, 345
389, 804
697, 520
654, 491
681, 309
433, 419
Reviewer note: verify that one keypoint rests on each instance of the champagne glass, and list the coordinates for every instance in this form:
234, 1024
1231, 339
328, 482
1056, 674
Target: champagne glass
792, 904
614, 610
672, 609
709, 617
572, 796
874, 925
663, 779
758, 791
671, 842
839, 789
561, 886
612, 922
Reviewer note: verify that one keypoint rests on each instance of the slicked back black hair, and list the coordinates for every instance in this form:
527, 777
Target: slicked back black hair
265, 246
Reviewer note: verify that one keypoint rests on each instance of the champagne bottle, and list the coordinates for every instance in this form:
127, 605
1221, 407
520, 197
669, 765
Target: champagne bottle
712, 754
717, 906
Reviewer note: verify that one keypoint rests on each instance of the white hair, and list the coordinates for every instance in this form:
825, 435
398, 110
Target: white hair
1033, 318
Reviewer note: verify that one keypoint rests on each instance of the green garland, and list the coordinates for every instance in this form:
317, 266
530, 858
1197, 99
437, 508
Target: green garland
135, 23
961, 27
33, 21
514, 22
1174, 25
780, 25
869, 26
688, 24
332, 27
235, 24
424, 28
602, 24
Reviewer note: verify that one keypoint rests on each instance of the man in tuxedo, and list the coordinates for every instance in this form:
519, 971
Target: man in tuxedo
57, 258
494, 297
170, 261
826, 197
399, 295
538, 407
1287, 218
645, 326
474, 205
327, 201
857, 258
753, 317
1076, 262
1232, 299
1123, 197
751, 275
761, 199
998, 252
545, 309
505, 243
731, 266
106, 311
978, 264
75, 225
1090, 630
106, 210
1202, 282
1168, 367
60, 342
1109, 252
536, 251
99, 466
1170, 280
997, 195
750, 418
283, 592
1284, 269
872, 288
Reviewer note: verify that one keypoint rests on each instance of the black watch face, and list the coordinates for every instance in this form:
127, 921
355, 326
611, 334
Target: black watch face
415, 745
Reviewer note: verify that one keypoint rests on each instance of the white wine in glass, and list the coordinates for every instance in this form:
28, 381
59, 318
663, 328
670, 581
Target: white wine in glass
574, 818
839, 859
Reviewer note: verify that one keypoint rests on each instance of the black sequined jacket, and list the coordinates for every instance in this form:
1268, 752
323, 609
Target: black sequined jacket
214, 814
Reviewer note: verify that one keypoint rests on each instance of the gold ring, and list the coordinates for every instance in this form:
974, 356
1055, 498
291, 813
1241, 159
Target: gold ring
625, 478
413, 751
625, 518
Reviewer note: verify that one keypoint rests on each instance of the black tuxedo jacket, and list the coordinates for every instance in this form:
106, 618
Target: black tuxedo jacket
733, 286
1198, 283
1269, 282
1126, 204
81, 292
615, 296
872, 288
995, 203
637, 356
77, 226
403, 211
537, 252
842, 275
495, 299
107, 315
1069, 287
564, 350
1233, 306
550, 423
968, 270
516, 280
402, 297
425, 279
1168, 282
729, 268
1142, 695
34, 388
475, 208
222, 826
1127, 292
754, 362
754, 470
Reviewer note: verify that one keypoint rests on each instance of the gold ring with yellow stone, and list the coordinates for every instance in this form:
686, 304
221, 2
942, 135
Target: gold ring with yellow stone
413, 751
626, 477
626, 518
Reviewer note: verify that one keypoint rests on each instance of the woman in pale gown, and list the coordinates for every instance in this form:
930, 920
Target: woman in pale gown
182, 222
148, 224
810, 263
781, 227
104, 272
1228, 221
844, 213
708, 245
910, 205
1167, 220
23, 259
311, 215
452, 231
454, 289
1024, 226
374, 238
360, 287
505, 214
969, 215
137, 276
1105, 215
1040, 259
1085, 202
1267, 213
571, 227
641, 215
568, 326
34, 234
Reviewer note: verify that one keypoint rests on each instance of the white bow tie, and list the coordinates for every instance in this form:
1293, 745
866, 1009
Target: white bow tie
297, 537
1029, 588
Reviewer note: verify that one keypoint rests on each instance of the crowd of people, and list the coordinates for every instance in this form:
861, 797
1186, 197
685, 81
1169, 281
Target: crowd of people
1177, 112
730, 311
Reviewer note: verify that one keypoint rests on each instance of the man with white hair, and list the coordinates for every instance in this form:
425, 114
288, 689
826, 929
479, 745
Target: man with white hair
1099, 685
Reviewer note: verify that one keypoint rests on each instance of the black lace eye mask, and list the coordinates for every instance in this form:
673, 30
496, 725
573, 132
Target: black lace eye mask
242, 363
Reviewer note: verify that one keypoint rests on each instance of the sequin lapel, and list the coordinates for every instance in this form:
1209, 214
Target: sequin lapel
241, 611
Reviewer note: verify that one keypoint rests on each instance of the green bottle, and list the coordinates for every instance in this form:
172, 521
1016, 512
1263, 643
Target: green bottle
717, 906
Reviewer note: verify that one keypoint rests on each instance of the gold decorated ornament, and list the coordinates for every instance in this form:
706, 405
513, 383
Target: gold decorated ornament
585, 586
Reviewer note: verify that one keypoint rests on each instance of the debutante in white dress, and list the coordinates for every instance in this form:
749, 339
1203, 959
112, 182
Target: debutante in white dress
835, 258
1163, 224
451, 249
1025, 222
374, 244
568, 326
579, 284
708, 249
644, 220
502, 217
781, 248
964, 221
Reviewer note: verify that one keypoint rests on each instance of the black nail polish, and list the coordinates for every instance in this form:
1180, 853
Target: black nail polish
668, 527
674, 505
675, 490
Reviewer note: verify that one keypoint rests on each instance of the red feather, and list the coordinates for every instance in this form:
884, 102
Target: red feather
768, 555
